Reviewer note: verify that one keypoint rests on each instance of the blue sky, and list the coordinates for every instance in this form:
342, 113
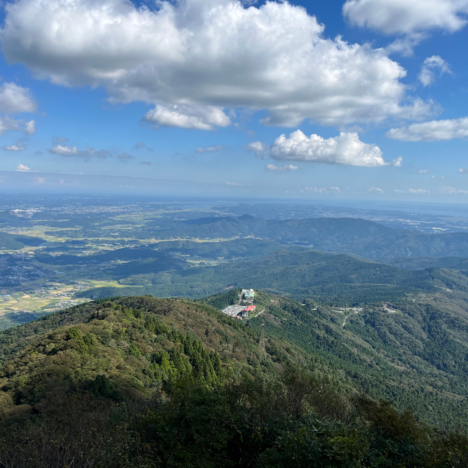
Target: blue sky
201, 92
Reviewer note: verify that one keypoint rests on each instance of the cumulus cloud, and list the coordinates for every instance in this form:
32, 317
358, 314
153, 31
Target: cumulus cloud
64, 150
257, 147
18, 146
345, 149
320, 190
406, 44
15, 99
431, 131
407, 16
23, 168
375, 190
210, 149
7, 124
194, 117
193, 60
285, 168
30, 127
433, 66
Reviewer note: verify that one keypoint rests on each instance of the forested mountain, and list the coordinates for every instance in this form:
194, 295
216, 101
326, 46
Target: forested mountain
418, 263
338, 278
366, 239
141, 381
410, 353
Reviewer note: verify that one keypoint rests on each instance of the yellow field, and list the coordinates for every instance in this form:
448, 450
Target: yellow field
104, 284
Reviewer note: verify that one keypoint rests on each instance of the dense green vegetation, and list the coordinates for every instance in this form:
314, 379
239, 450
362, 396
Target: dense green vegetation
334, 278
418, 263
415, 358
146, 382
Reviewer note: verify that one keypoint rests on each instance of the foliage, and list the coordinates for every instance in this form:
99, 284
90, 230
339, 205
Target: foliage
264, 422
333, 278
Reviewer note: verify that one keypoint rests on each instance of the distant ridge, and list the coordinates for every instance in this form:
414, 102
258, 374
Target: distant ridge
360, 237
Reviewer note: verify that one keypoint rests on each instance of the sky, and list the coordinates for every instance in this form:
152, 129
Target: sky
350, 99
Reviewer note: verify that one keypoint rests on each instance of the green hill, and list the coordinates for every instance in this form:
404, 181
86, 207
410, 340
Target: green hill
73, 346
336, 278
136, 382
414, 356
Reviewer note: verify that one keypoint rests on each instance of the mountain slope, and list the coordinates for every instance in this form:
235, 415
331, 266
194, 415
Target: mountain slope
413, 356
346, 235
138, 343
140, 381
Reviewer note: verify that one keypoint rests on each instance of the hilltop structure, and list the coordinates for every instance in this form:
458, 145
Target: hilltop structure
248, 295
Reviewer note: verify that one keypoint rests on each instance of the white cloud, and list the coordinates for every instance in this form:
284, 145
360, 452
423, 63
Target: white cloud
64, 150
210, 149
194, 117
257, 147
74, 152
432, 67
193, 59
18, 146
407, 16
15, 99
431, 131
285, 168
375, 190
451, 191
321, 190
425, 171
463, 170
30, 127
8, 124
345, 149
22, 168
405, 45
